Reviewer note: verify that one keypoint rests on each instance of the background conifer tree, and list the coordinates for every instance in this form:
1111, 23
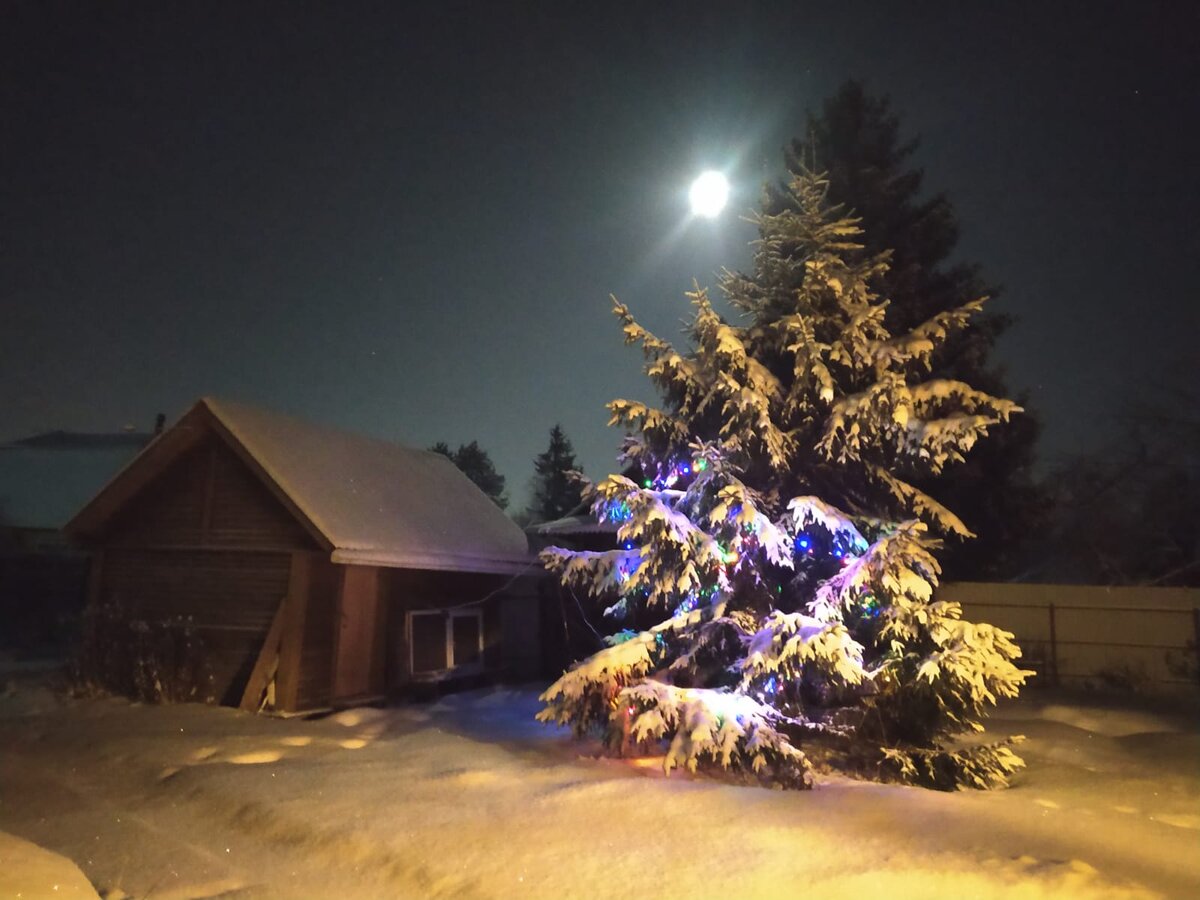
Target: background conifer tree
556, 490
775, 557
856, 141
475, 463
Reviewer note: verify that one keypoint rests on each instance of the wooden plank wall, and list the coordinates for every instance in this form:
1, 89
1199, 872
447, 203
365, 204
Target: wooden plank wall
230, 598
316, 661
208, 540
361, 631
170, 510
409, 589
306, 654
207, 498
242, 510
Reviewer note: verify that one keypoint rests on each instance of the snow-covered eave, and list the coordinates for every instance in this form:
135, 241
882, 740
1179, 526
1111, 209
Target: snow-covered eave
494, 565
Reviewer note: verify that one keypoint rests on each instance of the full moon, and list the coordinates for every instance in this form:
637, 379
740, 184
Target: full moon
708, 194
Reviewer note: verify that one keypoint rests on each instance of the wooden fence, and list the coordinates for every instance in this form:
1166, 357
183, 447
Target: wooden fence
1075, 634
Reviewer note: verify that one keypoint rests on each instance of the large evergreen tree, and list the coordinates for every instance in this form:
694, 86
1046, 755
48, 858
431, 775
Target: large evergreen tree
856, 141
557, 488
776, 559
475, 463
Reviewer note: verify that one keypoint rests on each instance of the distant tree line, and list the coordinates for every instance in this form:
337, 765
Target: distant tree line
556, 487
1129, 513
475, 463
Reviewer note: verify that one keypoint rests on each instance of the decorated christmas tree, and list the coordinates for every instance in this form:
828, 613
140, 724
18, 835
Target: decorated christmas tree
772, 591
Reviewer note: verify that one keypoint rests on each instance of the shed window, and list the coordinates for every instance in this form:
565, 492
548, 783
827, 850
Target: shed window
443, 642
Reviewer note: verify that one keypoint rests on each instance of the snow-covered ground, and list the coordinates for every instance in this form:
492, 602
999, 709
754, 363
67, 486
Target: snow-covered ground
468, 797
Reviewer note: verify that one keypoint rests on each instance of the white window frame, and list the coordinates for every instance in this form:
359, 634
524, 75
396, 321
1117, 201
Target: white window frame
449, 615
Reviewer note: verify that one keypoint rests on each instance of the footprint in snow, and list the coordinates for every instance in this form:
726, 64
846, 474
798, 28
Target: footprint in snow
1184, 820
469, 777
256, 758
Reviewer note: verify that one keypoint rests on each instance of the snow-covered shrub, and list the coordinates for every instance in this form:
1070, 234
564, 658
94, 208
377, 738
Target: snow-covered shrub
156, 661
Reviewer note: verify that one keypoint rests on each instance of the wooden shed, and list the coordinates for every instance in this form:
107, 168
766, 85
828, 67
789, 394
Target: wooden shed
319, 568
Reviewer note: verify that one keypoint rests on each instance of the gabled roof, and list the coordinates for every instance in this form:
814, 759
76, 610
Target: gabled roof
370, 502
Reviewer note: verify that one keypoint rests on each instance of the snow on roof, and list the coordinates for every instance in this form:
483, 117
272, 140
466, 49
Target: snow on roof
377, 502
373, 502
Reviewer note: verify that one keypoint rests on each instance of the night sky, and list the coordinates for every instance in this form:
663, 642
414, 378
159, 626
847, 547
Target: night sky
407, 220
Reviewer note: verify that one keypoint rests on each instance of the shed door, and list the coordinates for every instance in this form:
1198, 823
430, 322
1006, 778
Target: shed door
359, 663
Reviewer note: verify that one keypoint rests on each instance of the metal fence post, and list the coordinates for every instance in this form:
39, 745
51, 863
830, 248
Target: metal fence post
1196, 637
1053, 647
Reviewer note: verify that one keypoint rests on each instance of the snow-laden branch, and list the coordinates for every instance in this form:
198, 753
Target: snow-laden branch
789, 643
722, 727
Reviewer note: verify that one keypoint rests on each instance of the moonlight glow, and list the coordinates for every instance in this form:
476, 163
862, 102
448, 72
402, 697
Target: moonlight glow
708, 194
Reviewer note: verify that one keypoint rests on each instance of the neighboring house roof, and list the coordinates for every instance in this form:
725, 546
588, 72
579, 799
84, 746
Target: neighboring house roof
585, 523
369, 501
46, 478
578, 531
128, 440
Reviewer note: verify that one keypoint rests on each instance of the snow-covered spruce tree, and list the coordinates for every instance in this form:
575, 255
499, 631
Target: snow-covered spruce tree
775, 572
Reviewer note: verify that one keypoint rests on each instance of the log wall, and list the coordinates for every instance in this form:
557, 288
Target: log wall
207, 540
229, 597
405, 590
360, 629
208, 498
